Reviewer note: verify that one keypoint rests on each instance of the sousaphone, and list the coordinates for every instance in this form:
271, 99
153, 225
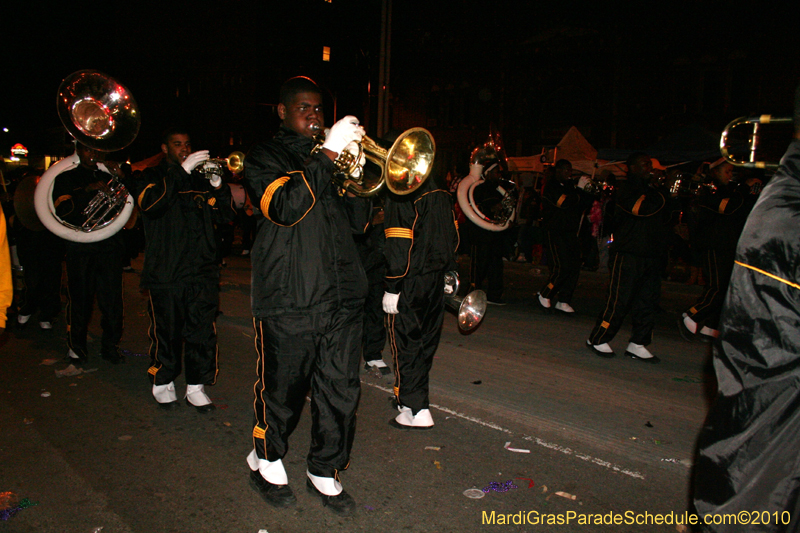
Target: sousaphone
101, 113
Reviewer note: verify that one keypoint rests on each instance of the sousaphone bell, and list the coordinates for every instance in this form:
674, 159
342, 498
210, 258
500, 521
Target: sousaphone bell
99, 112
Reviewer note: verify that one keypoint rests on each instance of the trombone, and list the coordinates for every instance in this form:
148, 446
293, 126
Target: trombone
756, 122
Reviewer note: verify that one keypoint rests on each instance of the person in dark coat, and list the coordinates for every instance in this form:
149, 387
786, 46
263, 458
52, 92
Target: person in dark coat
308, 291
563, 204
721, 210
642, 210
94, 269
748, 458
180, 208
421, 243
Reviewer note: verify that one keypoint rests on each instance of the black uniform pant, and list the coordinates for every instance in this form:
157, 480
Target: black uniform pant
42, 274
487, 261
635, 287
414, 334
717, 270
565, 267
182, 322
303, 351
94, 271
374, 329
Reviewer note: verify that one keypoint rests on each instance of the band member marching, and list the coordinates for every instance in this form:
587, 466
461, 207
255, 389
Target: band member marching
308, 290
180, 208
421, 243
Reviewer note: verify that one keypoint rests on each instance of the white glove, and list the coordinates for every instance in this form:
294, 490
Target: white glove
216, 181
354, 150
583, 182
194, 159
390, 303
343, 133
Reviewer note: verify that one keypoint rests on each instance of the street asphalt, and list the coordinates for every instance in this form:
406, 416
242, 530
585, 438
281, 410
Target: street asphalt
525, 417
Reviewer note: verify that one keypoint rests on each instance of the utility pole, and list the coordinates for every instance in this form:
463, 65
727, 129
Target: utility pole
384, 67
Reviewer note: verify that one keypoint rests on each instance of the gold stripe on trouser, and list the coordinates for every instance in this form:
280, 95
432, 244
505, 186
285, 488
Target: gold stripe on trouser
708, 296
616, 271
393, 349
151, 332
258, 342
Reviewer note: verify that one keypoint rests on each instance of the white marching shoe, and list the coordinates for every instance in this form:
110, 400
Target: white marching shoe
196, 397
603, 350
640, 353
165, 395
564, 307
544, 302
407, 420
709, 333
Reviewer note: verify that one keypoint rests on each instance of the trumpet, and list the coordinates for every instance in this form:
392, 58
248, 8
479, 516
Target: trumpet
213, 166
756, 122
402, 166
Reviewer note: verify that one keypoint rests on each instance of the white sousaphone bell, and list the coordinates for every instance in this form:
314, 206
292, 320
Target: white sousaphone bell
481, 159
99, 112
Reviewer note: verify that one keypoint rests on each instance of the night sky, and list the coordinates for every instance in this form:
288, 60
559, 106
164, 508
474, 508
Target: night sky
627, 74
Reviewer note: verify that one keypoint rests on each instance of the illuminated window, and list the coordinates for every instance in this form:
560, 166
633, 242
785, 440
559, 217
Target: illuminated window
326, 53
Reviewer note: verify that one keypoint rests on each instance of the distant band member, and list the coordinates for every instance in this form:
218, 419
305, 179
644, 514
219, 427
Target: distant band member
635, 264
308, 293
721, 214
180, 209
563, 205
93, 269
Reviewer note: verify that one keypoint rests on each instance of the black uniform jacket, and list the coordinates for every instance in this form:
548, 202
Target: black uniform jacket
179, 211
562, 206
721, 215
304, 257
421, 235
749, 450
72, 192
640, 218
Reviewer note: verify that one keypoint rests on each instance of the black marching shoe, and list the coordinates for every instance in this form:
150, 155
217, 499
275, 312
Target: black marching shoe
114, 356
342, 504
275, 495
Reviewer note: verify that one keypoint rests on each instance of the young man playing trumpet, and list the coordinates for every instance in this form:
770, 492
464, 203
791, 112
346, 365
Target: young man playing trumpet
308, 292
179, 208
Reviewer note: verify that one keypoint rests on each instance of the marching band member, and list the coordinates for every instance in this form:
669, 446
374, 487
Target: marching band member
93, 269
563, 204
308, 291
640, 223
421, 243
722, 213
179, 209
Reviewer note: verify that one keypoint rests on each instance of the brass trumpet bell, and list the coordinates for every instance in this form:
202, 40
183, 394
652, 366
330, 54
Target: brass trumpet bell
407, 163
403, 166
234, 163
98, 111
